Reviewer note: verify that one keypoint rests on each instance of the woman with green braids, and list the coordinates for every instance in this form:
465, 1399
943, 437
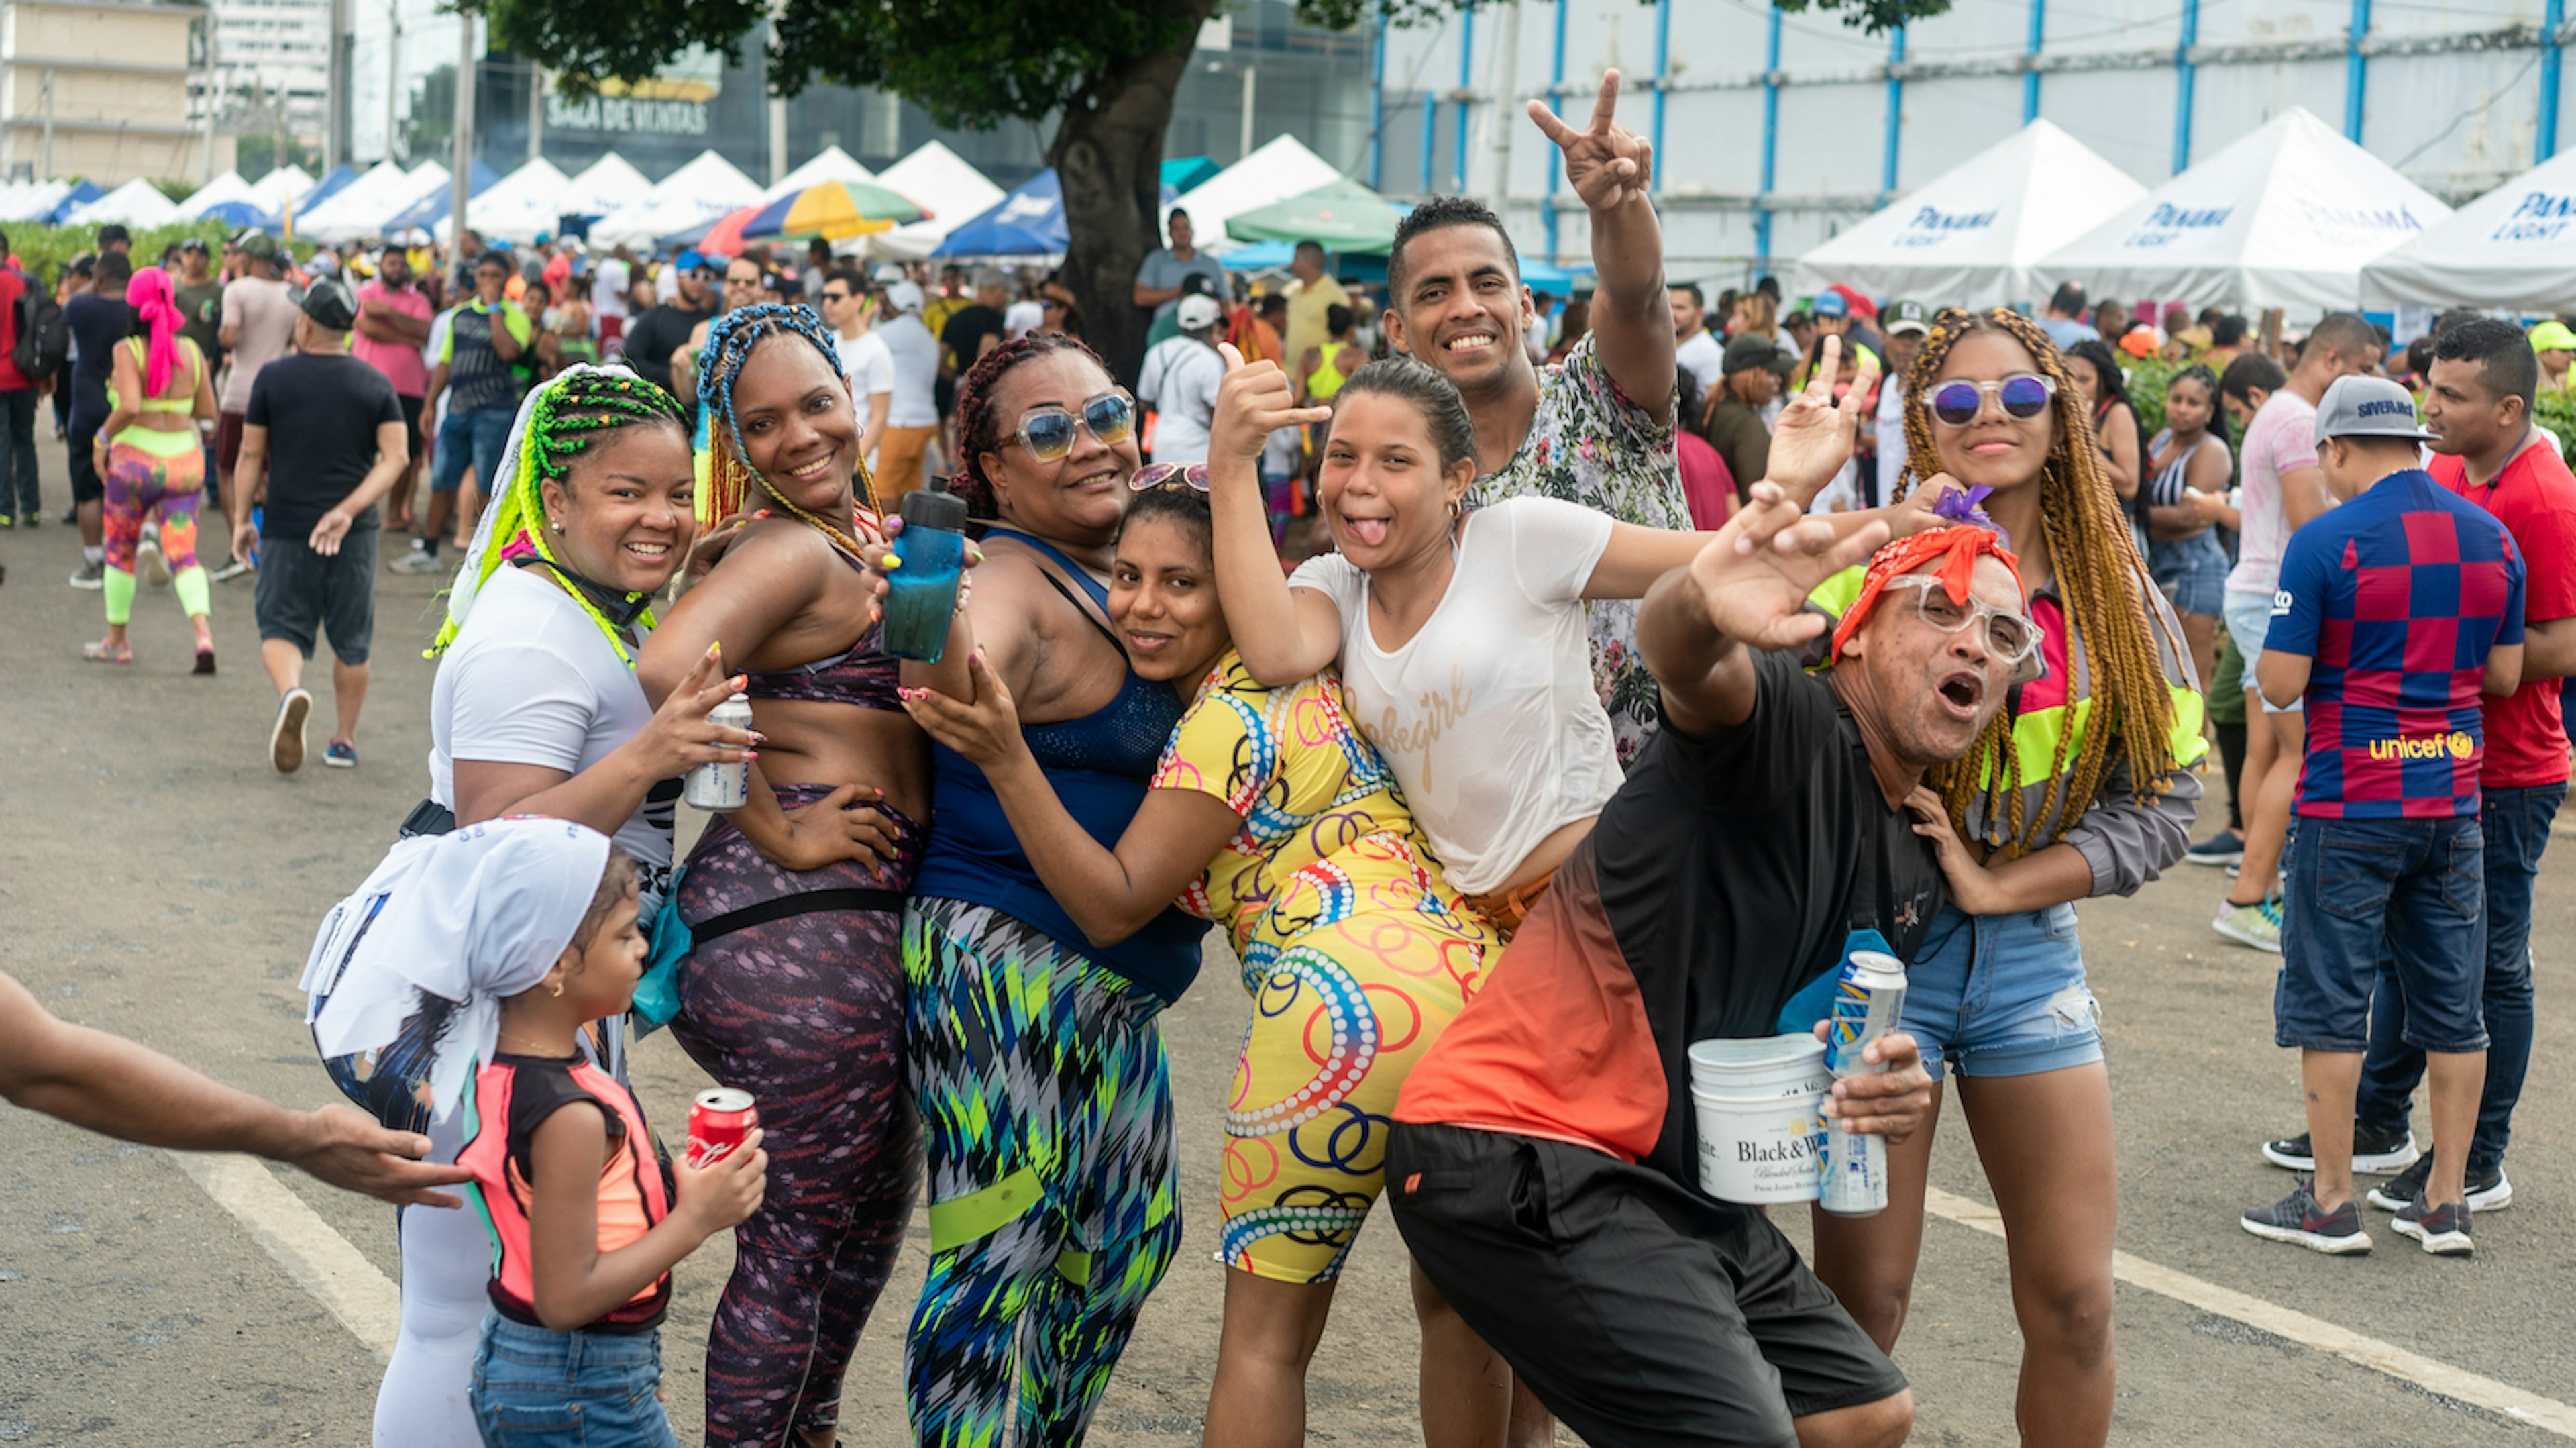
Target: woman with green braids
536, 710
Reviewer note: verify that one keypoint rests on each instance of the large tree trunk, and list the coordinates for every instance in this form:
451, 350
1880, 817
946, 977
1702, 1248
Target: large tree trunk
1108, 153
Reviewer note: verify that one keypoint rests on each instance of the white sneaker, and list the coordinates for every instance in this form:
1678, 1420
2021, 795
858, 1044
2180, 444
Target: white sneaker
150, 566
286, 736
418, 560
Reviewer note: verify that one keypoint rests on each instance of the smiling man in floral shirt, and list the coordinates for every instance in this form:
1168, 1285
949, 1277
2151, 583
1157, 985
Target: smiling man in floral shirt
1594, 429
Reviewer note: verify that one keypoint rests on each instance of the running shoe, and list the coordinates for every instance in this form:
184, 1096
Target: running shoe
92, 576
2256, 925
418, 560
2488, 1190
2298, 1219
339, 755
2223, 848
286, 736
2374, 1154
238, 568
150, 566
2444, 1230
8, 520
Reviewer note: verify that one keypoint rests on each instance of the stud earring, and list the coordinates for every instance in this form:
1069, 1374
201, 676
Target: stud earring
557, 992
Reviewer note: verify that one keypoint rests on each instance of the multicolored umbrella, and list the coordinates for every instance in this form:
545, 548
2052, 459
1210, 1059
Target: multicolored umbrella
834, 211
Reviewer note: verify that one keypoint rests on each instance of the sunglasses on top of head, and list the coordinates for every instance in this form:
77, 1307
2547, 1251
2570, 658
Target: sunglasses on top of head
1162, 475
1048, 432
2024, 395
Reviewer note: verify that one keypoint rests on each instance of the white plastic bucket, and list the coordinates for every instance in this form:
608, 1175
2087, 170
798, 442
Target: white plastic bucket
1759, 1106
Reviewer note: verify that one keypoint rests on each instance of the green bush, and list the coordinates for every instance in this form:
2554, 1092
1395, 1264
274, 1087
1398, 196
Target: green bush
41, 249
2147, 378
2556, 411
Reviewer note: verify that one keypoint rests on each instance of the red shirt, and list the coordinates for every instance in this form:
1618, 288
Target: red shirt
12, 286
2535, 498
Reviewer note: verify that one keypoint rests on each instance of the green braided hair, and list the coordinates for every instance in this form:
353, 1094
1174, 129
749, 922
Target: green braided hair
563, 417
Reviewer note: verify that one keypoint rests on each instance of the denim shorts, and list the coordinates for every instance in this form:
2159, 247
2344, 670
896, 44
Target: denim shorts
2002, 995
474, 439
2249, 618
2415, 889
2192, 572
534, 1388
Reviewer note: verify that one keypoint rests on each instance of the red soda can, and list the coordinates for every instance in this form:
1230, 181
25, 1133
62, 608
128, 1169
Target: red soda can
718, 1120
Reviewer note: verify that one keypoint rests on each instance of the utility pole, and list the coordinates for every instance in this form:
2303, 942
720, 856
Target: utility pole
777, 139
1505, 122
1251, 82
214, 98
49, 123
536, 110
393, 80
461, 186
338, 123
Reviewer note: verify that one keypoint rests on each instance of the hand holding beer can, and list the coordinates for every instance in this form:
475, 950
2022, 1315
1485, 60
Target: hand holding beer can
718, 1122
1869, 1002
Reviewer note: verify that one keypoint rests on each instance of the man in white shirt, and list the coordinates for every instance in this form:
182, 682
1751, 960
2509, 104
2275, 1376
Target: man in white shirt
1024, 316
610, 282
863, 353
1695, 351
1179, 381
1904, 325
912, 413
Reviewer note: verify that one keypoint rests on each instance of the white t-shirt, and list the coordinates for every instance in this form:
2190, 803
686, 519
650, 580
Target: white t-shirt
1891, 438
1179, 381
870, 365
1023, 317
530, 680
916, 370
2282, 438
1488, 716
1703, 357
608, 287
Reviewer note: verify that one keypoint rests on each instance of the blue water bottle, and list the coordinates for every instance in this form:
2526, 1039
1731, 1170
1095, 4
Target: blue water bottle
921, 590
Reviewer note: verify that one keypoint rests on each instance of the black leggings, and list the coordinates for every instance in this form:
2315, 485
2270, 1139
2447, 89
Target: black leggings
2231, 748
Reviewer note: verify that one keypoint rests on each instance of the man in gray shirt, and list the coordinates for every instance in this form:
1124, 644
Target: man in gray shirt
1158, 281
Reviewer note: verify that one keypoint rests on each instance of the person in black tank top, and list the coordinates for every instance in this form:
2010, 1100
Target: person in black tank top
1036, 1057
794, 990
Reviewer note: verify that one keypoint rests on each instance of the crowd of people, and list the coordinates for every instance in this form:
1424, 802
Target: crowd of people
1524, 700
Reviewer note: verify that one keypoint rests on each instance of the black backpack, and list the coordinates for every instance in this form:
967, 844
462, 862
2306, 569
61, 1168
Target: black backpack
43, 340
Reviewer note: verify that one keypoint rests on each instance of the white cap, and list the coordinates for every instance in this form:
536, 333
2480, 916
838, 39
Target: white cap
1197, 313
904, 296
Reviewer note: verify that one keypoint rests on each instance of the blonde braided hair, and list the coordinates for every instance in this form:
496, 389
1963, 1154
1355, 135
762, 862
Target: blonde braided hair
2102, 582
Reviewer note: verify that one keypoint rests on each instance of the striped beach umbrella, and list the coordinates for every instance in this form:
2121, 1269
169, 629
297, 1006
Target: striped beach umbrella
834, 210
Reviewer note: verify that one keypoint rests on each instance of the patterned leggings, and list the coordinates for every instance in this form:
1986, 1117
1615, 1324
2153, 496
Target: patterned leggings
1047, 1103
140, 482
805, 1013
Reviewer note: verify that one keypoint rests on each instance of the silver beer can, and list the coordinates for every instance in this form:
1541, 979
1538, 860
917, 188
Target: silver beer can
716, 785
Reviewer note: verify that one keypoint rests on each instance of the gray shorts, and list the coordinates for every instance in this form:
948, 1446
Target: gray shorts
300, 591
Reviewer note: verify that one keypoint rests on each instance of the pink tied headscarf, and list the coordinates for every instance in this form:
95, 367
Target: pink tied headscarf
150, 296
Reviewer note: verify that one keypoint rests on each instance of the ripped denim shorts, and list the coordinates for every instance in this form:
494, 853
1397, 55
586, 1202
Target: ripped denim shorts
2002, 995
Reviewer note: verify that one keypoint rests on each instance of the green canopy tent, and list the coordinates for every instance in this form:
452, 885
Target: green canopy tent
1342, 214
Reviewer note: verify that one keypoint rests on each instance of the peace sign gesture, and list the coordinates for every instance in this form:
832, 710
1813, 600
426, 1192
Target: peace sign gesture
1606, 164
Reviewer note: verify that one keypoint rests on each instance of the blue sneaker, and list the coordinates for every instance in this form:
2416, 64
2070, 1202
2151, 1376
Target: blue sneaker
2298, 1219
2223, 848
339, 755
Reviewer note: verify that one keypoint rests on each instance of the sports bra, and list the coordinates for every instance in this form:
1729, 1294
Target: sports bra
1326, 379
863, 674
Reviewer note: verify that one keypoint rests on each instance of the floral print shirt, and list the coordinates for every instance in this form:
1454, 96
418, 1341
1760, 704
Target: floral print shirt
1589, 444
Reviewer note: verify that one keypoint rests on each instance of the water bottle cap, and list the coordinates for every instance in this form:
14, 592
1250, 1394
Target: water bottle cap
934, 507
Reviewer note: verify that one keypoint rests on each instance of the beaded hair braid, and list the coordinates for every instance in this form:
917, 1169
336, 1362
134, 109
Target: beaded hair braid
726, 475
564, 417
978, 431
2101, 580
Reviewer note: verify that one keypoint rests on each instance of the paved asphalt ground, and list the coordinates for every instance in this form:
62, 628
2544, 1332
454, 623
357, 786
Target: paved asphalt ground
159, 879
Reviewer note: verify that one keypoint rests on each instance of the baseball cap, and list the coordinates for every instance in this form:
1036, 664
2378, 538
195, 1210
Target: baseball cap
2368, 407
2553, 337
194, 243
694, 260
1902, 317
259, 245
1196, 313
1830, 304
886, 272
1748, 352
904, 296
329, 304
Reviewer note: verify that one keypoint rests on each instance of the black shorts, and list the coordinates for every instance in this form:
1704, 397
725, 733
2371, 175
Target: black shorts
411, 407
300, 590
87, 485
1639, 1311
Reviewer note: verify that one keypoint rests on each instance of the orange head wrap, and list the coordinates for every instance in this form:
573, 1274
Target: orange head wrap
1957, 548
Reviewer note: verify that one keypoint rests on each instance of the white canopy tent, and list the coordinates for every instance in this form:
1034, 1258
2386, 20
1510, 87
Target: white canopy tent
2285, 217
516, 207
699, 192
1274, 172
834, 164
2514, 247
939, 181
605, 185
29, 200
1971, 236
281, 188
136, 203
228, 187
362, 207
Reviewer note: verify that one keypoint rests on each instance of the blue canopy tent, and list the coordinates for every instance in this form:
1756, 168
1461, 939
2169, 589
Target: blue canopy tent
1029, 221
1556, 281
1183, 172
432, 209
1260, 256
81, 194
326, 188
236, 215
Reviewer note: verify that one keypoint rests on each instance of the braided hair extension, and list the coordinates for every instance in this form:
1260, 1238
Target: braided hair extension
2101, 580
726, 475
565, 416
978, 430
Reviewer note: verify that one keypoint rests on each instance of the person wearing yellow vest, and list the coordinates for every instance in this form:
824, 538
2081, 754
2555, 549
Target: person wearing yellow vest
2082, 788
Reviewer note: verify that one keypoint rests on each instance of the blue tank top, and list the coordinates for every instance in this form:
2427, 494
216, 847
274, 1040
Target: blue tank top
1100, 765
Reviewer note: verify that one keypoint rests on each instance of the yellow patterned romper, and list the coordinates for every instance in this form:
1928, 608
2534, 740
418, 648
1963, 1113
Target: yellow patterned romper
1356, 953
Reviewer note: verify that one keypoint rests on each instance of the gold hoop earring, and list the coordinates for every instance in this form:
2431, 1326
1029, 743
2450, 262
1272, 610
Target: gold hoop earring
557, 992
1457, 509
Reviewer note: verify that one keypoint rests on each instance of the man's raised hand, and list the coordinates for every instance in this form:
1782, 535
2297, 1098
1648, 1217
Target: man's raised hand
1755, 575
1606, 164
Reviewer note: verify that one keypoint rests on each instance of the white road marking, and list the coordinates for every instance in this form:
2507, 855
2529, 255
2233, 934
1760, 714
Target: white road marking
320, 1260
2298, 1327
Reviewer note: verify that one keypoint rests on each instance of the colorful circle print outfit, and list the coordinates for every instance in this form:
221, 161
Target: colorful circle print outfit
1355, 950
